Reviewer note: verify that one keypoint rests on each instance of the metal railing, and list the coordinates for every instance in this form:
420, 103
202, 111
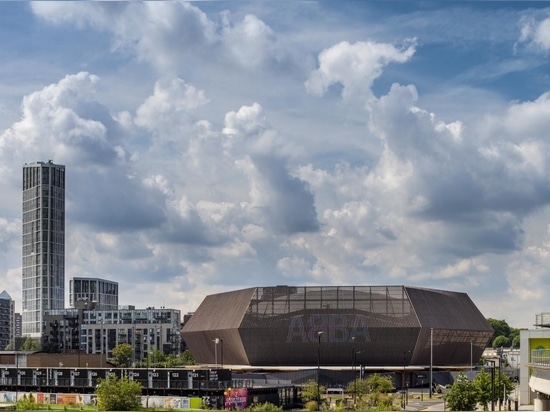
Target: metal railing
540, 357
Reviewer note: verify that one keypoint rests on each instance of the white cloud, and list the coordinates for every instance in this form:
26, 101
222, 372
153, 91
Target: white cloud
354, 66
536, 33
199, 161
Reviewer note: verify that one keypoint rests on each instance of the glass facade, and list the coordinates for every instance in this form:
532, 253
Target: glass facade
7, 320
100, 331
104, 293
43, 243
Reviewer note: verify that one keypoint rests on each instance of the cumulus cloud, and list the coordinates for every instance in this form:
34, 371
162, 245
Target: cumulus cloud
354, 66
535, 33
205, 188
251, 42
62, 121
170, 34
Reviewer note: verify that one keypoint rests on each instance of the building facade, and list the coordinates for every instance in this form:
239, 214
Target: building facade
535, 364
104, 293
7, 320
91, 331
393, 326
43, 243
18, 328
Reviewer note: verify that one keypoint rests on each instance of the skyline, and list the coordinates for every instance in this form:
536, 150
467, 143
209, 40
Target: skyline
213, 146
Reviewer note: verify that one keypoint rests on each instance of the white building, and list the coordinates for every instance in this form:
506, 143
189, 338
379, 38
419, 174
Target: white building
535, 364
90, 331
146, 330
104, 293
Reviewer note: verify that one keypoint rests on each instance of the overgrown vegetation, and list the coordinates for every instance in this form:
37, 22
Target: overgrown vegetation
311, 392
504, 336
159, 359
26, 403
466, 395
123, 355
373, 393
118, 394
264, 407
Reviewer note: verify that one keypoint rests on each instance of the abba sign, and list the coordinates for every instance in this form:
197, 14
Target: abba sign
336, 328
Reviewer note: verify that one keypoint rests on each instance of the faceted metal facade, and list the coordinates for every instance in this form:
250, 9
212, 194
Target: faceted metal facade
337, 326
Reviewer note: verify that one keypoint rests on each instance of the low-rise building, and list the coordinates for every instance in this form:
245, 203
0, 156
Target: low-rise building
90, 331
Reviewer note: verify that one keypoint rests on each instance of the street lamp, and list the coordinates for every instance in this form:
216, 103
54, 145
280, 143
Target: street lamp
216, 341
431, 360
101, 345
318, 366
500, 351
492, 362
404, 401
471, 355
353, 370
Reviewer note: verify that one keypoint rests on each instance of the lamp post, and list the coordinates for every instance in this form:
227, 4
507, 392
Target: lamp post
431, 360
500, 351
404, 400
101, 345
318, 367
221, 352
216, 341
471, 355
17, 375
353, 370
492, 362
147, 388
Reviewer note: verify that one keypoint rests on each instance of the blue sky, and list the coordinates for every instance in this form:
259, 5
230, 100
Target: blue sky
219, 145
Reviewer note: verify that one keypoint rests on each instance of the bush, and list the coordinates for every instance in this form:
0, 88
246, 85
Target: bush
264, 407
114, 394
312, 406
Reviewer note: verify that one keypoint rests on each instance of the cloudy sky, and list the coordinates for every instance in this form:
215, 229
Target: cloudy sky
212, 146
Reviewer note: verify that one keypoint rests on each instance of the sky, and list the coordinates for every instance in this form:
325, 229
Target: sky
214, 146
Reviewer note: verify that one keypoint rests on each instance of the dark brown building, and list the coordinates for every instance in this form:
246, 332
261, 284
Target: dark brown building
337, 326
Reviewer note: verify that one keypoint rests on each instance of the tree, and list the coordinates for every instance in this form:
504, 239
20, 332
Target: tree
30, 344
375, 387
504, 386
118, 394
500, 327
484, 392
463, 395
123, 355
51, 347
515, 341
501, 341
187, 358
157, 358
309, 390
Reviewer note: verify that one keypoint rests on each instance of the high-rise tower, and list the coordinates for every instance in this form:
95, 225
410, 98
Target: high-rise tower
43, 243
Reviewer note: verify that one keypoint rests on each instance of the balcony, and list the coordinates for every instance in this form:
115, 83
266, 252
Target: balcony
540, 358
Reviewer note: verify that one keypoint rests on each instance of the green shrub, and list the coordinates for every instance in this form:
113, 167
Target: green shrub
264, 407
114, 394
312, 406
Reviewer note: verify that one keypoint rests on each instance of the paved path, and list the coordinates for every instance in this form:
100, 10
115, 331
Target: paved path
438, 405
425, 405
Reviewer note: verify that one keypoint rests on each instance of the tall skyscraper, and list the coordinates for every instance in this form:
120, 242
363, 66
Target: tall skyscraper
43, 243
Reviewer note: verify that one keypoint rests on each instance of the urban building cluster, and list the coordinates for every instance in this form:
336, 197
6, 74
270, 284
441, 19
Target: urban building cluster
93, 323
417, 335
